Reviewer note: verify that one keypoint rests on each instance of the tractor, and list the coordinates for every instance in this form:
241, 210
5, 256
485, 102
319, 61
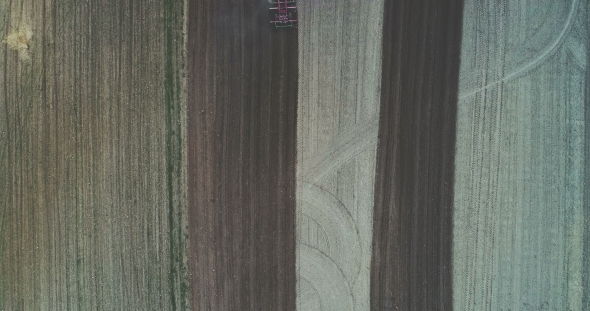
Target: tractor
283, 14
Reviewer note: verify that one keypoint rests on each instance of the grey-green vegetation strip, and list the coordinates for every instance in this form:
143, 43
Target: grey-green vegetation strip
176, 152
3, 164
521, 184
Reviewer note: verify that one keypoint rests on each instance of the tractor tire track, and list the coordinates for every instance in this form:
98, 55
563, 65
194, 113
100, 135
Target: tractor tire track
547, 52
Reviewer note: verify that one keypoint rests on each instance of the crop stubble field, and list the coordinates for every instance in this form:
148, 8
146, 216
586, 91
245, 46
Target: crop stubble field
521, 190
337, 120
91, 156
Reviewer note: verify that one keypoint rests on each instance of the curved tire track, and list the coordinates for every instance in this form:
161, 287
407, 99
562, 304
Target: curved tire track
533, 63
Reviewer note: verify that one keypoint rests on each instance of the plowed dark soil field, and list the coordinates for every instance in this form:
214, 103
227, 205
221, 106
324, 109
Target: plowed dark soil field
412, 237
242, 103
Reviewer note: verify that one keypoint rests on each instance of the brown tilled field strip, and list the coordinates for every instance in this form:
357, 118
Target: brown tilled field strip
242, 101
411, 267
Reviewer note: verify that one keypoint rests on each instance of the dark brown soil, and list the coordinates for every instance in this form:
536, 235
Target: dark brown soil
242, 100
411, 266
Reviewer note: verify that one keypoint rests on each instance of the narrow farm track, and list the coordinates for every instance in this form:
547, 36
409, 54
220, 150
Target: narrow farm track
91, 156
242, 106
412, 227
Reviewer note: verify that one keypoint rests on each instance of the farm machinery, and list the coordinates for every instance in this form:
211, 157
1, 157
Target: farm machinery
283, 14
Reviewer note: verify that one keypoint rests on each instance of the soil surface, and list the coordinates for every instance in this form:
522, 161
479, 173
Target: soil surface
411, 266
242, 105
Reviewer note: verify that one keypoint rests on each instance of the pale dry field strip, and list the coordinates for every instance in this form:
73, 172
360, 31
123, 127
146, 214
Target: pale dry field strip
91, 156
338, 107
521, 215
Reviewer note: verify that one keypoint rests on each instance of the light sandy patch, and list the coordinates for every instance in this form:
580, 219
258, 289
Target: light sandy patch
20, 41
